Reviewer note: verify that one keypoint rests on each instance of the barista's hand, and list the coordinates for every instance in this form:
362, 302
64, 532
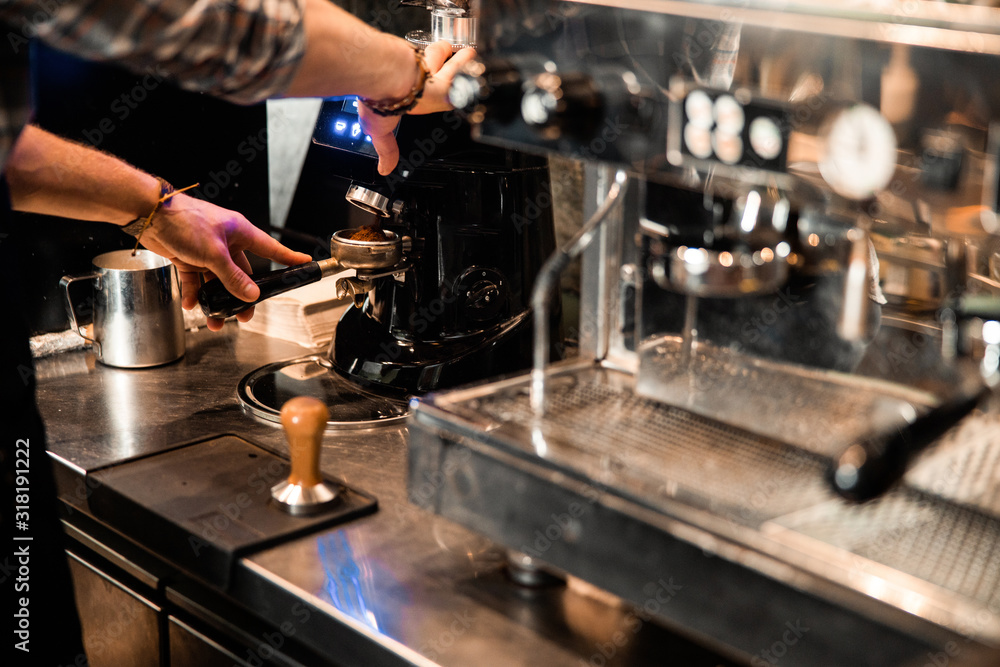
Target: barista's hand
442, 66
206, 241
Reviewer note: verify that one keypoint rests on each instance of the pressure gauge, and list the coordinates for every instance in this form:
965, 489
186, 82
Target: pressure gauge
859, 152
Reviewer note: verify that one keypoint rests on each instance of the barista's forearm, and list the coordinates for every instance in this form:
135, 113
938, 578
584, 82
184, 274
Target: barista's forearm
54, 176
345, 56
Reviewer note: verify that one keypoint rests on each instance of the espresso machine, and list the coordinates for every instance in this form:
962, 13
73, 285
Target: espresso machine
782, 409
440, 297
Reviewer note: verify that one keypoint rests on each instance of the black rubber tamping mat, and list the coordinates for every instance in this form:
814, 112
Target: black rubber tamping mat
203, 506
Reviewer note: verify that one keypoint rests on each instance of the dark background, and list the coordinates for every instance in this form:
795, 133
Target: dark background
181, 136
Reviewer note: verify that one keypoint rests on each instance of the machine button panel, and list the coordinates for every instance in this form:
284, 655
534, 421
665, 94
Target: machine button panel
338, 127
711, 127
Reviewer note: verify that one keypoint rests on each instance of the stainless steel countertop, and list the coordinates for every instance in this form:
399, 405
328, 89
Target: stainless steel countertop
401, 586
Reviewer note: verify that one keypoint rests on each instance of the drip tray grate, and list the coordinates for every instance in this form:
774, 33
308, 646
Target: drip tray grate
636, 444
934, 538
911, 532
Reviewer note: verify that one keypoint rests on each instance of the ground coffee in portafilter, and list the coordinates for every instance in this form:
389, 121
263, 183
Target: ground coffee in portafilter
367, 233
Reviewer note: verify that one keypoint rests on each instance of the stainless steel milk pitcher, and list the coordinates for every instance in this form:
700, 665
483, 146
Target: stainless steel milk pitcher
138, 320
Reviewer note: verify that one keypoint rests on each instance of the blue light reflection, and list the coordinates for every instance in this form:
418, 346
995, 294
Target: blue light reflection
347, 584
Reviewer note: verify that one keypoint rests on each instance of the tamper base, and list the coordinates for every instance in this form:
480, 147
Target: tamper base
297, 499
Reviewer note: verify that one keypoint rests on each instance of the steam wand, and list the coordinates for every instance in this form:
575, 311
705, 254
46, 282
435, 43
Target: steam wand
545, 286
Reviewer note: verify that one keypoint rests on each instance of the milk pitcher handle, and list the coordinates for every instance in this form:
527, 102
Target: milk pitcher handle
65, 282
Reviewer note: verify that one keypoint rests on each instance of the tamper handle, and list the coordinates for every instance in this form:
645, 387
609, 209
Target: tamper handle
304, 419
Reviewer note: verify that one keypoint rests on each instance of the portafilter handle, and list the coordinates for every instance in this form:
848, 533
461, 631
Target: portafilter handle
304, 492
216, 301
868, 468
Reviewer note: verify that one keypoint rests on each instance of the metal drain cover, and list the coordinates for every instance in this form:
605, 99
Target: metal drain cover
265, 390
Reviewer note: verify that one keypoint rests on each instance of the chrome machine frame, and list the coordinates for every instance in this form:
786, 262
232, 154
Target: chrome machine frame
726, 498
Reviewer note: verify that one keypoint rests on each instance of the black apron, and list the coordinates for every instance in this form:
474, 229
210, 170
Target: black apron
34, 574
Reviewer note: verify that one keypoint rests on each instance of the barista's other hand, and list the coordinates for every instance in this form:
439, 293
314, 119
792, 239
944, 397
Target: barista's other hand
206, 241
443, 66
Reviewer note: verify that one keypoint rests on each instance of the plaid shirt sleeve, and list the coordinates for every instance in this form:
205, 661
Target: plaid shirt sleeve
241, 50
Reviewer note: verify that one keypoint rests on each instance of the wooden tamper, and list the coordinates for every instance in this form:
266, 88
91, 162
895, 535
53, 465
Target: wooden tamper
304, 492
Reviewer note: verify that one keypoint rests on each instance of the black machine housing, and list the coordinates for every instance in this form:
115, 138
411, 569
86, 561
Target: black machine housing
479, 223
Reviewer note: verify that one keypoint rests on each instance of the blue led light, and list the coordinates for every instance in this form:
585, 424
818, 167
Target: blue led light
356, 130
340, 126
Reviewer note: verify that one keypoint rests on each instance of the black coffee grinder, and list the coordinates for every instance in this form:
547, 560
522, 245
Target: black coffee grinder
476, 225
446, 301
478, 220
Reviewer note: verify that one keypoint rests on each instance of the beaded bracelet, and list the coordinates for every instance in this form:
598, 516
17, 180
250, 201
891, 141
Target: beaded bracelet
140, 225
399, 107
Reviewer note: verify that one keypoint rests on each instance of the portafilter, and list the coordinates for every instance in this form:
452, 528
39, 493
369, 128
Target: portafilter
345, 254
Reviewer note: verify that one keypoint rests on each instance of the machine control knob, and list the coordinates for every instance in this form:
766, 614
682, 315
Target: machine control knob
586, 105
304, 492
558, 103
490, 86
482, 294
